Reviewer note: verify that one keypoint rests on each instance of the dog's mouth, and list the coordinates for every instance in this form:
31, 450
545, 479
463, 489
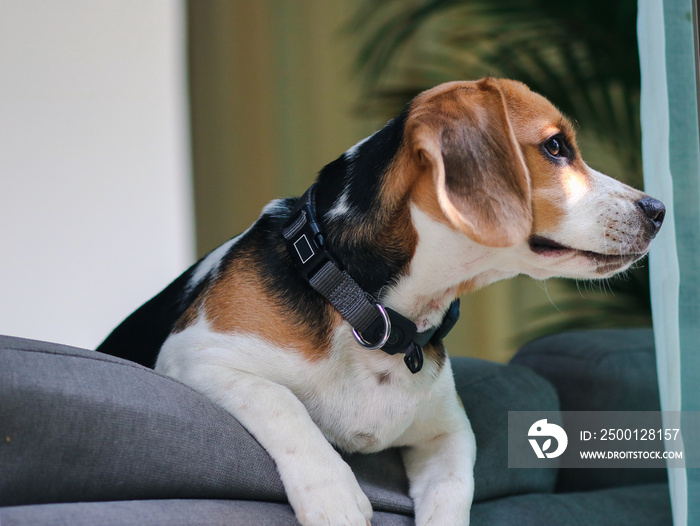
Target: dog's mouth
543, 246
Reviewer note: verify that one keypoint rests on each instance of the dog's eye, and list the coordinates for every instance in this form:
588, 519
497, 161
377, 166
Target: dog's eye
558, 149
554, 146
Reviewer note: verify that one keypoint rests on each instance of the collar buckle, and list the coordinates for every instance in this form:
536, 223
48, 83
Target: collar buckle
306, 243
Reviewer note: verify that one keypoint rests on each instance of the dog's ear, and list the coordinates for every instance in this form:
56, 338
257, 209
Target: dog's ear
465, 139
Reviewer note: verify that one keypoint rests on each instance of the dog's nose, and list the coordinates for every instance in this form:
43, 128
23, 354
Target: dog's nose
654, 210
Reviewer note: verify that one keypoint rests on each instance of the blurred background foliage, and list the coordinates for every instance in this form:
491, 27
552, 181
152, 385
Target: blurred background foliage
580, 55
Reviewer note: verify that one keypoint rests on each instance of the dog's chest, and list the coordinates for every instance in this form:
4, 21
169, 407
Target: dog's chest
366, 408
362, 401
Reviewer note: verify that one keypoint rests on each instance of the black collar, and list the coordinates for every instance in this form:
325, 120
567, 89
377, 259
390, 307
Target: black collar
374, 326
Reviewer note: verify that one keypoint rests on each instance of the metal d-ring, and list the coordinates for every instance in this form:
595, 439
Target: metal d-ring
384, 338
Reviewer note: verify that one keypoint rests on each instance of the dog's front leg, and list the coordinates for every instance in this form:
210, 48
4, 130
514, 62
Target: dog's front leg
320, 486
441, 475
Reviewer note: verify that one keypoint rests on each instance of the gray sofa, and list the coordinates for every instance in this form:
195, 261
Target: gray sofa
89, 439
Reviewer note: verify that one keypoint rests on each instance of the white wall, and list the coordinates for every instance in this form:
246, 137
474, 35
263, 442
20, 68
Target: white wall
95, 194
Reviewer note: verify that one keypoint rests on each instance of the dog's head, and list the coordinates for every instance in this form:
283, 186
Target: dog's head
500, 163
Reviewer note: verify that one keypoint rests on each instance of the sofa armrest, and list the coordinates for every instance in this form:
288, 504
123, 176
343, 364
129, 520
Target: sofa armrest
77, 425
81, 426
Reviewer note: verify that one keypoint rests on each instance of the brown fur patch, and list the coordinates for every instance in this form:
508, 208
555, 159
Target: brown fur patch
534, 120
425, 197
239, 302
398, 179
383, 377
547, 195
466, 287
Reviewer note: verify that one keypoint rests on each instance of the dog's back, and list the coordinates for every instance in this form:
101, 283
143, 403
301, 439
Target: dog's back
140, 336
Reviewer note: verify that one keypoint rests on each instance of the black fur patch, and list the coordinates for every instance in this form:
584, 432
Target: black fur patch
362, 173
371, 261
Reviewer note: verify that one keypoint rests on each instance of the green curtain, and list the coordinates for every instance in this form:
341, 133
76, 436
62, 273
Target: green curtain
671, 155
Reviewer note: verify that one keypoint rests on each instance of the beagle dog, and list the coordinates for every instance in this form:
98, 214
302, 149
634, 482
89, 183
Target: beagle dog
320, 328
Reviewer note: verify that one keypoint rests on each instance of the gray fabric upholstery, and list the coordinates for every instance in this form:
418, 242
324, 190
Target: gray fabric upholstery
645, 505
108, 429
87, 438
602, 370
85, 426
168, 512
488, 391
175, 512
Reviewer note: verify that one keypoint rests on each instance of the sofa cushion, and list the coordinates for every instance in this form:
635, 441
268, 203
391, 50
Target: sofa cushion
599, 370
78, 425
488, 391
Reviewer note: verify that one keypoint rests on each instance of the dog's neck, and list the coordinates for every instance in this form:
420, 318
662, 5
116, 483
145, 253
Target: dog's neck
445, 265
397, 253
307, 246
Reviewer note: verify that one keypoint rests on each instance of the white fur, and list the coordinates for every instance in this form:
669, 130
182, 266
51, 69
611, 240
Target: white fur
443, 260
239, 372
291, 405
340, 208
210, 264
351, 153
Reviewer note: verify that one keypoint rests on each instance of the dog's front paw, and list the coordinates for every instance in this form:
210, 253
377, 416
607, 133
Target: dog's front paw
330, 496
446, 503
